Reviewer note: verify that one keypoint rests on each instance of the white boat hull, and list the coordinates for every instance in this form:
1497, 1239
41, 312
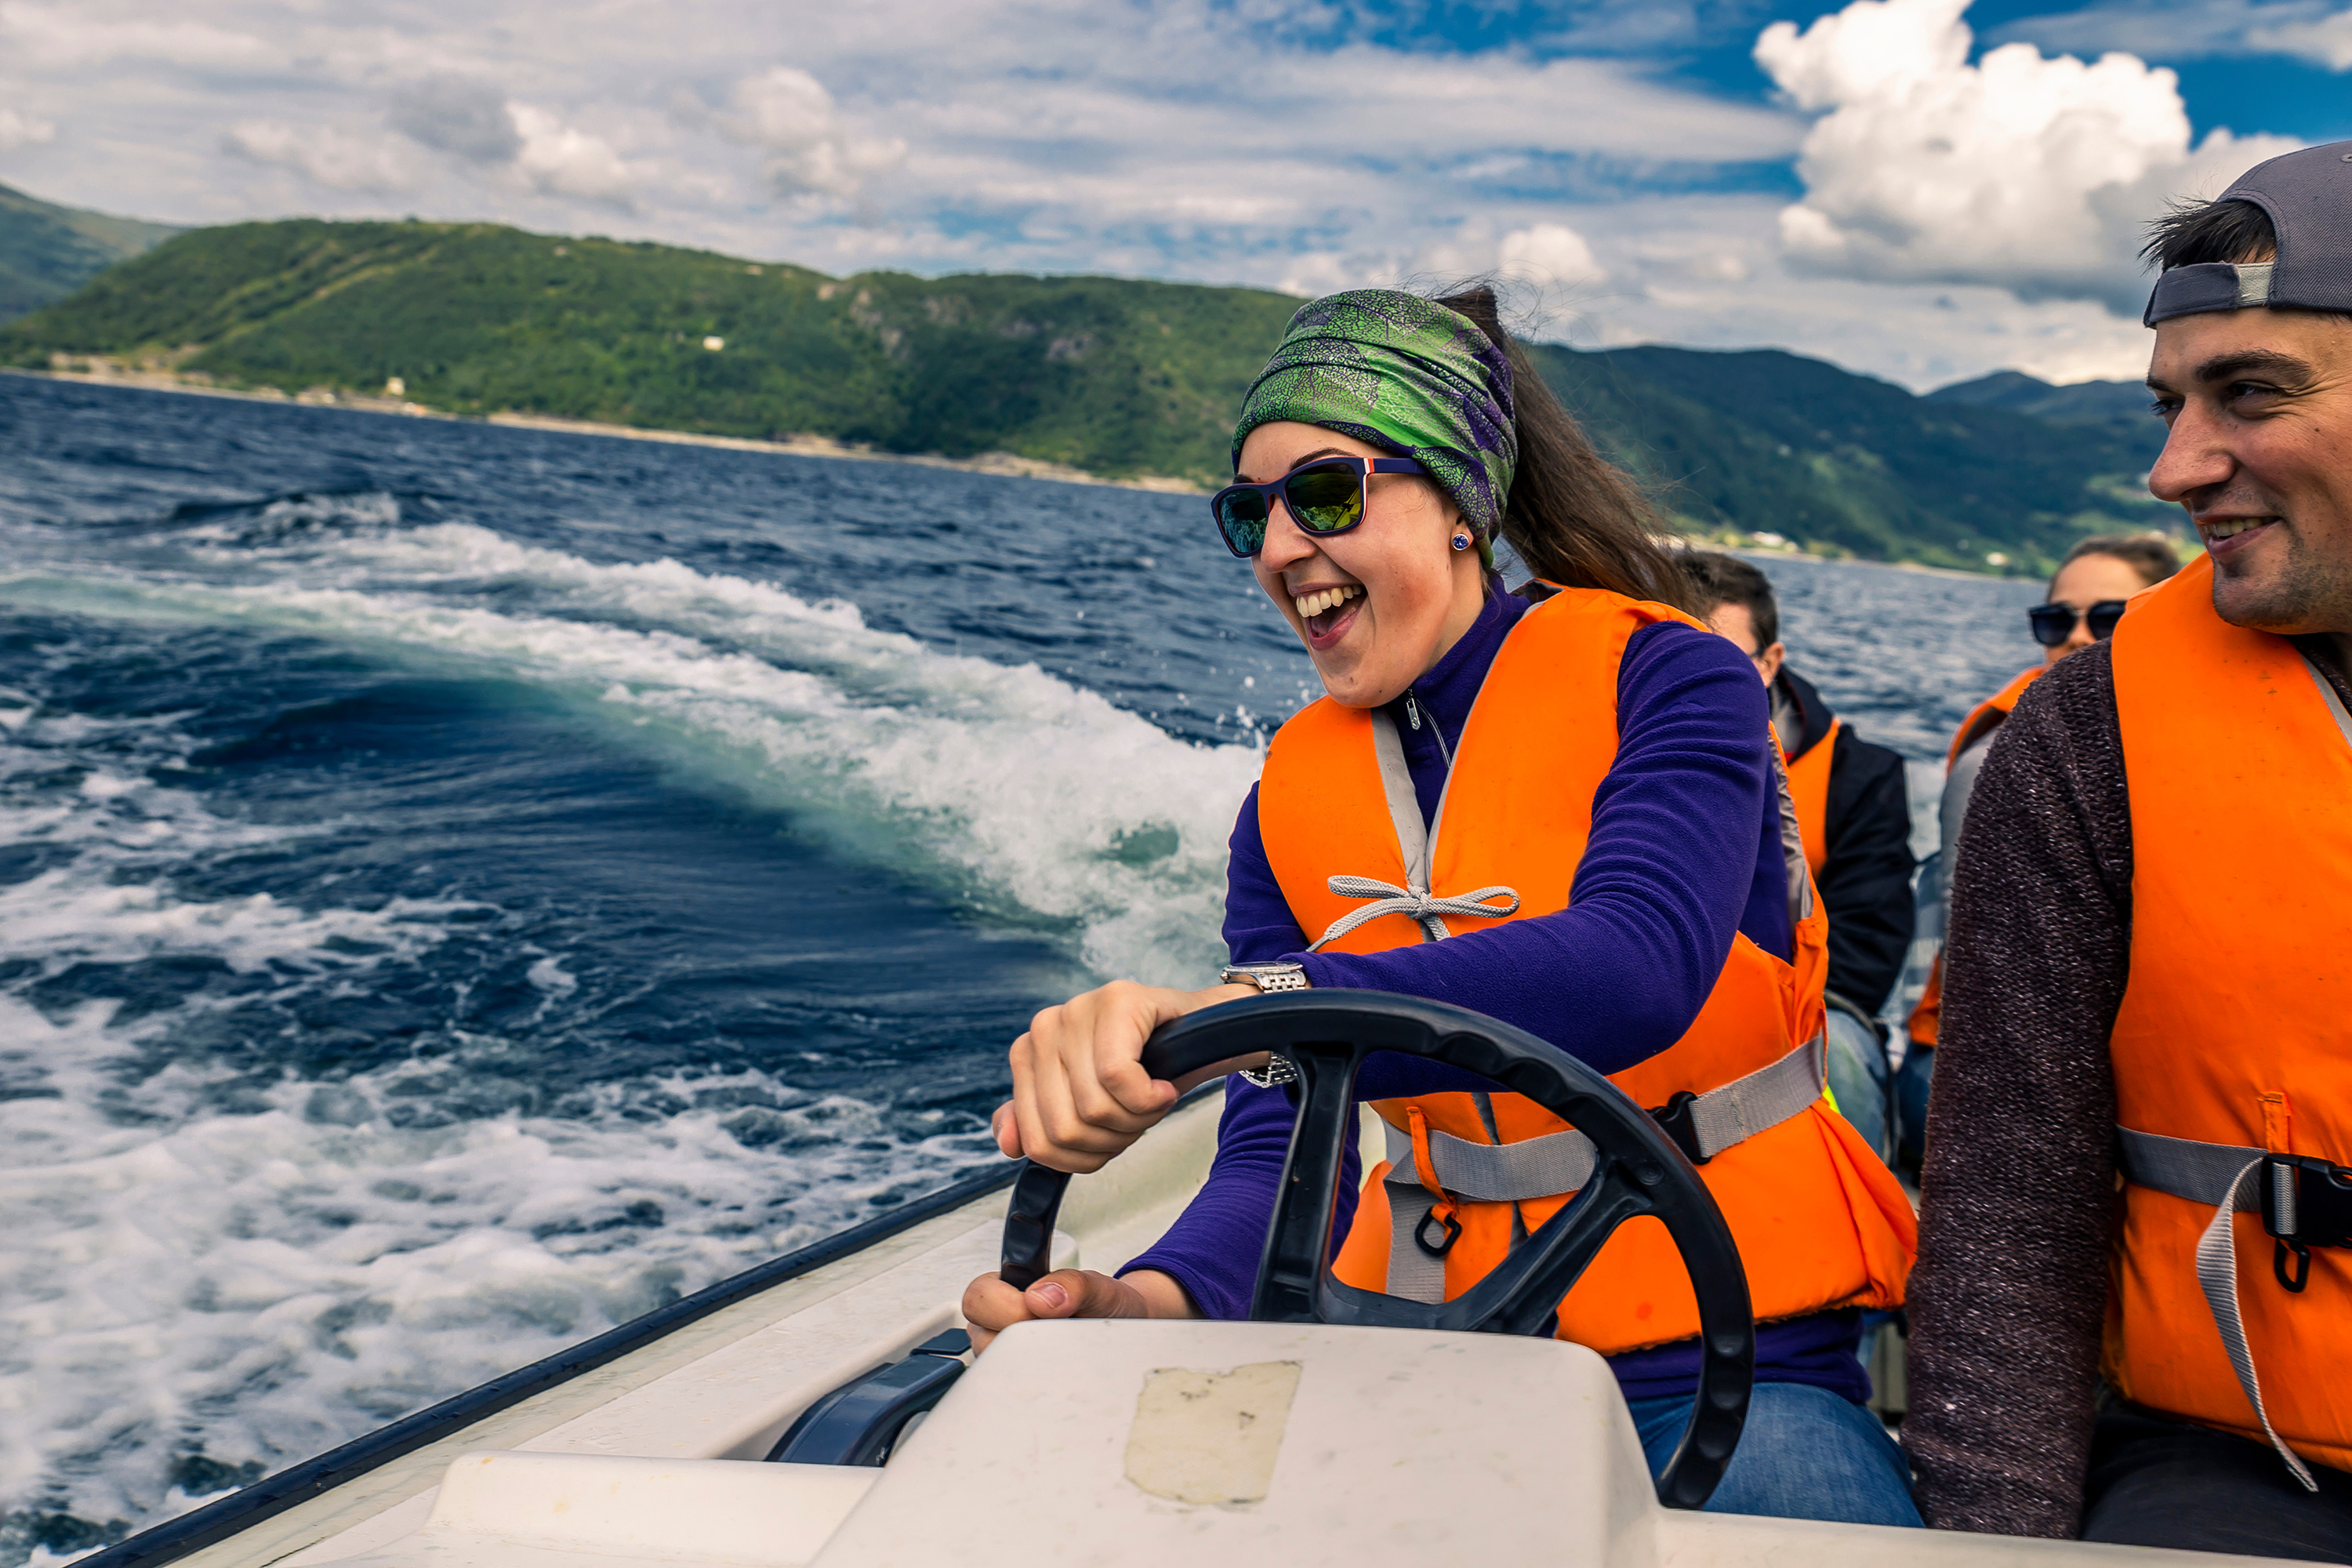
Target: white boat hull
1144, 1443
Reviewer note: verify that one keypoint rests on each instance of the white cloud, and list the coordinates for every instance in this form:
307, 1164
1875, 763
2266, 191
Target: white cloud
74, 37
1186, 138
567, 160
789, 115
2027, 172
335, 159
2326, 40
1550, 255
2319, 31
18, 130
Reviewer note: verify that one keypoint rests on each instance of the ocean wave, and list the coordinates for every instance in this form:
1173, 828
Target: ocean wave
206, 1276
1032, 799
187, 1309
216, 1265
274, 520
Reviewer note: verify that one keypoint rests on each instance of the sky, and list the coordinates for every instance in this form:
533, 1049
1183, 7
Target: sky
1923, 190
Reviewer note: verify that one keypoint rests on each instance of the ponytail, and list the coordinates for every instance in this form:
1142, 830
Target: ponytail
1575, 517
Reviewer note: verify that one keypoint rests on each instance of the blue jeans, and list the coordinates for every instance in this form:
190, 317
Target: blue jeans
1911, 1087
1857, 1073
1805, 1452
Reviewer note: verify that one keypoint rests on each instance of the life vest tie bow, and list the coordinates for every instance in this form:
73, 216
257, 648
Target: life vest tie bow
1416, 903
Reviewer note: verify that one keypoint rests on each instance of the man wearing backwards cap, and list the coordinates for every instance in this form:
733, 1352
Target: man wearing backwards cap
2143, 1104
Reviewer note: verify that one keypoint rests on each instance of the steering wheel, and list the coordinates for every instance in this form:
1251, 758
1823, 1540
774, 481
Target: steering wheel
1637, 1171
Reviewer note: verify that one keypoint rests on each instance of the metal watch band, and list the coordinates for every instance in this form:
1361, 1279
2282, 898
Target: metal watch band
1268, 978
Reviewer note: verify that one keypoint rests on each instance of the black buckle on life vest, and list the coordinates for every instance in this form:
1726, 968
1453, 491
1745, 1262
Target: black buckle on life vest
1447, 1224
2320, 1215
1674, 1116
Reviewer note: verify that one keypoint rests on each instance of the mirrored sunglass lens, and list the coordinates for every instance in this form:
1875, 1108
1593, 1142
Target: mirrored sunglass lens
2104, 618
2052, 624
1324, 500
1241, 517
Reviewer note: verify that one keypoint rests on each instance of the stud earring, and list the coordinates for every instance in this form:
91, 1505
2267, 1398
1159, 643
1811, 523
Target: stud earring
1462, 542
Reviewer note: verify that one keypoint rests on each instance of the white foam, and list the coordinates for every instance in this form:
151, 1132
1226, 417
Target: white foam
182, 1272
1036, 799
257, 1286
121, 837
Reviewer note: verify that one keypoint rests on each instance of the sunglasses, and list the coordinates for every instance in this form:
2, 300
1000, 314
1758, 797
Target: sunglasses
2053, 624
1324, 497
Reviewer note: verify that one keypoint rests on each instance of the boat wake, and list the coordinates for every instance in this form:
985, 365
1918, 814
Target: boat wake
272, 1170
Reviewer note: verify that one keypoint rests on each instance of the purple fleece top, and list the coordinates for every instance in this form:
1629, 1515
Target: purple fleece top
1684, 850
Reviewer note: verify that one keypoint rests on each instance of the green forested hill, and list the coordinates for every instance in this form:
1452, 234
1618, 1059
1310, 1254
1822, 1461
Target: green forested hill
48, 251
1766, 441
1119, 378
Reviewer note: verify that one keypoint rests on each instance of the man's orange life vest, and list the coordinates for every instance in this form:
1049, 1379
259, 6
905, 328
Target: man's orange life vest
2236, 1026
1820, 1221
1926, 1018
1809, 783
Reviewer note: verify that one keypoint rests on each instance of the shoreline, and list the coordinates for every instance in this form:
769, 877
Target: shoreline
1004, 465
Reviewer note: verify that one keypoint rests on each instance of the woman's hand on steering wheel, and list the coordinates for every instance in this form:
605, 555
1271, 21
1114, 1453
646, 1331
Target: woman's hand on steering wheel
991, 1306
1080, 1095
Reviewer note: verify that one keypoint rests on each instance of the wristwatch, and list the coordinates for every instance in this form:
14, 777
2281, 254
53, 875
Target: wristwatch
1268, 978
1265, 977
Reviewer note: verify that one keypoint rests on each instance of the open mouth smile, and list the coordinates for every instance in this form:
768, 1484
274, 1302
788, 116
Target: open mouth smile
1327, 612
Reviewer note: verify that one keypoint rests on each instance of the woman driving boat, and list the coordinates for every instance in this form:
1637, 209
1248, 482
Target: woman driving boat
1561, 807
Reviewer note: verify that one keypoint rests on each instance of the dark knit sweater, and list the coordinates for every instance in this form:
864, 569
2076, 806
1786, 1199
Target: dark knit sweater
2010, 1294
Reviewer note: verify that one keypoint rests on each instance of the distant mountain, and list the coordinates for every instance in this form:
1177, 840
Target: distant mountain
49, 251
2083, 403
1119, 378
1122, 379
2119, 409
1762, 440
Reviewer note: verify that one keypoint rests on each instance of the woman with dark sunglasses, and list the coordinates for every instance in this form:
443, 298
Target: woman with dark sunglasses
2087, 594
1481, 755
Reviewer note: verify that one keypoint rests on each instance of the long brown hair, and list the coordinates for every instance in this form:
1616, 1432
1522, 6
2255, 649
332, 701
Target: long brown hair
1574, 517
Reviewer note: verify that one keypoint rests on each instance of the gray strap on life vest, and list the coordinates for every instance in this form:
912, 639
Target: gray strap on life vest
1415, 843
1556, 1163
2227, 1178
1563, 1162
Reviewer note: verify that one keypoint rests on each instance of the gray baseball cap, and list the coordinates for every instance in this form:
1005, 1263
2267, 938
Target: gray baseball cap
2308, 196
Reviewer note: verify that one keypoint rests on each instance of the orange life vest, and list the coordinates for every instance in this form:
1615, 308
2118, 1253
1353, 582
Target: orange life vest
1926, 1018
1991, 711
1820, 1222
1808, 782
2236, 1026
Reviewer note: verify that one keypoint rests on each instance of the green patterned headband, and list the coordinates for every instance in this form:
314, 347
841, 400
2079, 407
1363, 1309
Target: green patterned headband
1407, 375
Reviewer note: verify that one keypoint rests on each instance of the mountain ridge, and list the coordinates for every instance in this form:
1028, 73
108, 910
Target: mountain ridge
1127, 380
48, 251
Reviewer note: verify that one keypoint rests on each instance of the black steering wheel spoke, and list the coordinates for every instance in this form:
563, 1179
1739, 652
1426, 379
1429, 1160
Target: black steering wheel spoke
1294, 1269
1521, 1295
1637, 1172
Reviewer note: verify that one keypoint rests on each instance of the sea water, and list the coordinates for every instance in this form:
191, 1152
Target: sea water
462, 887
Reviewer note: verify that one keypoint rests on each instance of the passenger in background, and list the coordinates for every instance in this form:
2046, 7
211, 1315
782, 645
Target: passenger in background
2086, 599
1853, 810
